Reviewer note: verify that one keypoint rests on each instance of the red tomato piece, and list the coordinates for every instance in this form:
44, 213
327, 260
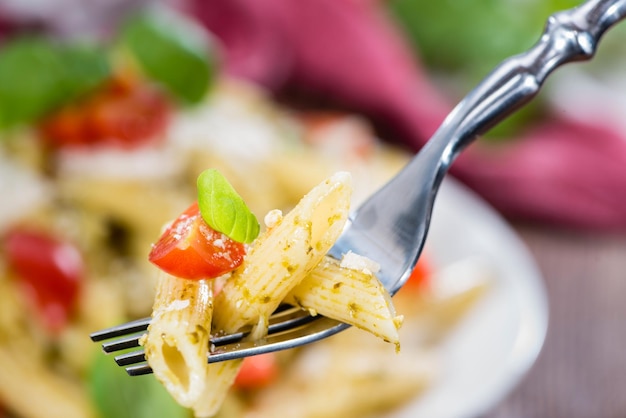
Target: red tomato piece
128, 119
191, 249
124, 113
50, 271
419, 278
257, 371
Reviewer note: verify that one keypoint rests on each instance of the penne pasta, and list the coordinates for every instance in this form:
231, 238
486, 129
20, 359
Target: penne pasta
348, 295
177, 342
219, 380
259, 285
287, 263
283, 255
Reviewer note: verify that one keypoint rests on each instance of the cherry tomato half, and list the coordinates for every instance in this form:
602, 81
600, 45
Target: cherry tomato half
124, 113
191, 249
50, 271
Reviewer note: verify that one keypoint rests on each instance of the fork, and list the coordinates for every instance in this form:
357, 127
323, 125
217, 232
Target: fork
392, 225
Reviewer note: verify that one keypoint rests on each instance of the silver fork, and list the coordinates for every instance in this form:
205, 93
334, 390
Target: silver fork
391, 226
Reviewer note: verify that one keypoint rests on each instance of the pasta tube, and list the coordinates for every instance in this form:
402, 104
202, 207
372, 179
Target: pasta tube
177, 342
352, 296
277, 262
220, 378
283, 255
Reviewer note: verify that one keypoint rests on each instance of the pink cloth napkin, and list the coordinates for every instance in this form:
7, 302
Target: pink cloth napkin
350, 54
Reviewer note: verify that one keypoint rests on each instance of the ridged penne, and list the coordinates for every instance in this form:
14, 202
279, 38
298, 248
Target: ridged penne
283, 255
352, 296
177, 342
287, 263
220, 378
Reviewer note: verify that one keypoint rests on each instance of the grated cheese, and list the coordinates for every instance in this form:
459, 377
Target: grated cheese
273, 218
358, 262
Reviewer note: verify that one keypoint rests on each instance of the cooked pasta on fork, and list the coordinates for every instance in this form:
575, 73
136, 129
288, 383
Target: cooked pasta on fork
212, 243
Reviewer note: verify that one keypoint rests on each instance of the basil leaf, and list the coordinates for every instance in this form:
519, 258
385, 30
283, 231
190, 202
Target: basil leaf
117, 395
37, 75
223, 209
29, 80
86, 67
173, 52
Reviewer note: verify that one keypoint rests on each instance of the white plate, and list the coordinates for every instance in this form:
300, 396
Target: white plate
488, 353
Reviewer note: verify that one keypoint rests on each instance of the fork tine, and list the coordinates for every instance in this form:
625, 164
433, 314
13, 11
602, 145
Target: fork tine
139, 369
123, 343
313, 329
283, 319
121, 330
278, 340
290, 320
130, 358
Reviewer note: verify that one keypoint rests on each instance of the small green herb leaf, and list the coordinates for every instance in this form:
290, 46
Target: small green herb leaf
223, 209
172, 51
38, 74
86, 67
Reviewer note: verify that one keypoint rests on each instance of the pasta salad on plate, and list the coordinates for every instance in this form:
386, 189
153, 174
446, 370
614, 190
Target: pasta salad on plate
93, 175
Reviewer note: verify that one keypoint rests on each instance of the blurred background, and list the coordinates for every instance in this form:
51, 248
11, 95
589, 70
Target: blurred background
554, 171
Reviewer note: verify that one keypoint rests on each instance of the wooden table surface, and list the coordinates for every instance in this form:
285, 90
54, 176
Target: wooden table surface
581, 371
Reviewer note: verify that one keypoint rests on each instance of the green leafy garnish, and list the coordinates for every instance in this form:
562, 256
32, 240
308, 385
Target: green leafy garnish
172, 51
223, 209
116, 395
38, 74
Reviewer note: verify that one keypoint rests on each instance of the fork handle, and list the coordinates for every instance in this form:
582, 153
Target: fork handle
570, 35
